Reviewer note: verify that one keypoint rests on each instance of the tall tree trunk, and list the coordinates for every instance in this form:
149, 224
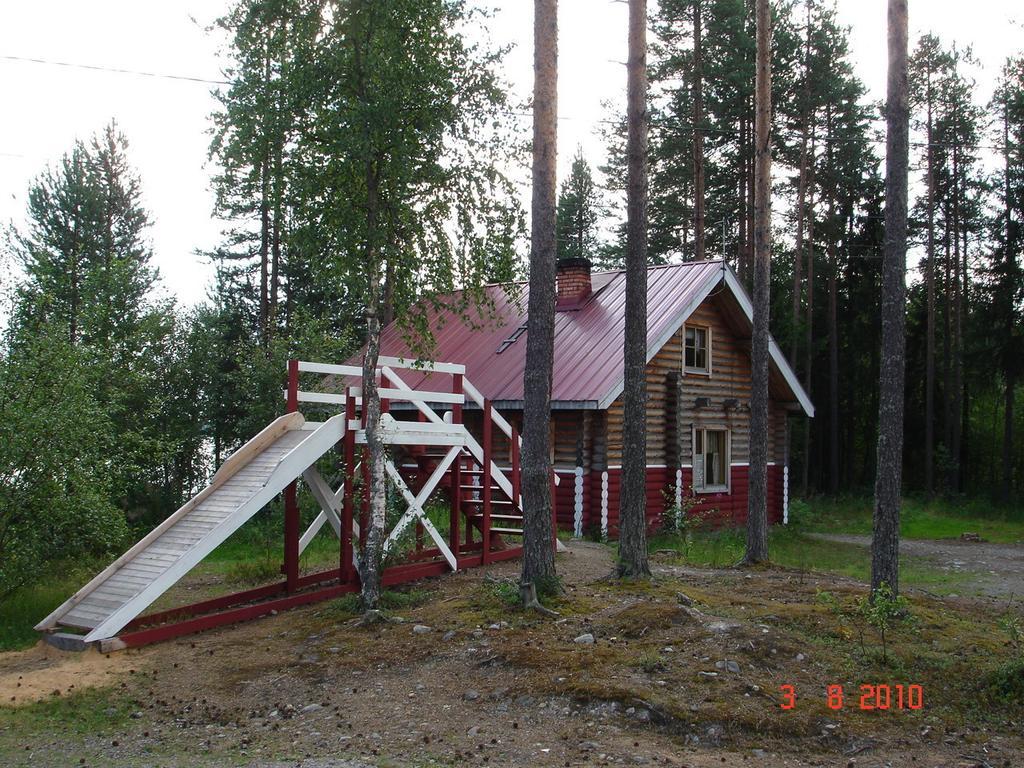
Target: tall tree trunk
833, 330
749, 207
275, 245
809, 315
633, 494
265, 205
929, 377
1009, 366
741, 214
538, 553
965, 401
698, 134
370, 566
956, 396
833, 370
889, 474
264, 250
801, 197
757, 495
947, 334
1009, 395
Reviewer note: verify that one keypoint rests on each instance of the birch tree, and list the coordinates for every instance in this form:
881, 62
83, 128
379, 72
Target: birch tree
401, 180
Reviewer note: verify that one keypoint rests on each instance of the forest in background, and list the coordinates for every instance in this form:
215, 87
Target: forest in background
116, 404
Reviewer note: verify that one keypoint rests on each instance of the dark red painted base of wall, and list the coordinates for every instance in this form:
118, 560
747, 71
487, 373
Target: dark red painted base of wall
722, 509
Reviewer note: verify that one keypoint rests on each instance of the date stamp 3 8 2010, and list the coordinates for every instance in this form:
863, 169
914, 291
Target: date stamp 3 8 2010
868, 697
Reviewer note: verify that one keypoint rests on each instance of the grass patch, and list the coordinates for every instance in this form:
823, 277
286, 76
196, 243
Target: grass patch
919, 519
350, 606
791, 547
25, 607
82, 713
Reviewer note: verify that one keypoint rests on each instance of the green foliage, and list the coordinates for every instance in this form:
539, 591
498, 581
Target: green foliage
680, 521
579, 207
882, 612
55, 473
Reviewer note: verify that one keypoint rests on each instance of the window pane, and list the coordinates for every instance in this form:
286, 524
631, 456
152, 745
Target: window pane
716, 463
696, 348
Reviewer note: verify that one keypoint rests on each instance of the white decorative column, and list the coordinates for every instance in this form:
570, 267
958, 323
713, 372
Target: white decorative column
578, 504
604, 505
785, 494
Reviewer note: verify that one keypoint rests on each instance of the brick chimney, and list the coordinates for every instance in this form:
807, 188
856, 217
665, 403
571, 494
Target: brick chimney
572, 282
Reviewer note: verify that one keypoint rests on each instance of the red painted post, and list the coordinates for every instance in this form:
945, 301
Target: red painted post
486, 527
457, 390
346, 509
293, 386
291, 505
456, 510
385, 403
456, 476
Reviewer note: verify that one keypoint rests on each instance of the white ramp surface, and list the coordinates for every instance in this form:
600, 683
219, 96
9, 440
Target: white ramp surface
246, 482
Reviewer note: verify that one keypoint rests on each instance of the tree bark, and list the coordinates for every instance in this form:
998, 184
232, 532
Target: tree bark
633, 494
757, 496
698, 135
370, 568
833, 329
1009, 393
538, 553
956, 396
889, 473
809, 313
801, 198
833, 370
929, 377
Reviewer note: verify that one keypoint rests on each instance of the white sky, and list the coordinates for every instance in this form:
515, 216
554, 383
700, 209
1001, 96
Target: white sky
47, 107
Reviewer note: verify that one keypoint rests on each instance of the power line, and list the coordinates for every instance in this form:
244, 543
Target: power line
781, 133
116, 70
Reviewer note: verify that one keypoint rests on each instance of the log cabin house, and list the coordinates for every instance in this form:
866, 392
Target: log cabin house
698, 380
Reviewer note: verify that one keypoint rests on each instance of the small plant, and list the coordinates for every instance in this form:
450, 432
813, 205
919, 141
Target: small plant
650, 662
881, 611
1007, 682
1012, 626
505, 590
679, 520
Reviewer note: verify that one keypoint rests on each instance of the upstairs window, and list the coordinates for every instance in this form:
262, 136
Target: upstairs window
710, 460
697, 349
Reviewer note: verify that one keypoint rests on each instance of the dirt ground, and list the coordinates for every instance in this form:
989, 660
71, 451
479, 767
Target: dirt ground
994, 570
670, 679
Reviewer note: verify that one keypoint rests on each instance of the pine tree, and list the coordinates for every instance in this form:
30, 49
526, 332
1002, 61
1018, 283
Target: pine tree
757, 497
633, 494
888, 481
538, 556
579, 206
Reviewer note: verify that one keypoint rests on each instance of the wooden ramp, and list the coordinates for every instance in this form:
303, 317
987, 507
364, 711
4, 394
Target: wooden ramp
247, 481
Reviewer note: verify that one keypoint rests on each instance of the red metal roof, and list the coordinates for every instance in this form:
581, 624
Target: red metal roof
588, 367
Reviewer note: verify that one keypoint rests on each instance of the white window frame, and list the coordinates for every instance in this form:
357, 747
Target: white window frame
697, 371
697, 465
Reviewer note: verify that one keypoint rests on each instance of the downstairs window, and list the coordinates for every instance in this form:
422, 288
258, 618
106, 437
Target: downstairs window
710, 460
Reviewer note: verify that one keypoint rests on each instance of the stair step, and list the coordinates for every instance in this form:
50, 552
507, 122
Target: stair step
508, 531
